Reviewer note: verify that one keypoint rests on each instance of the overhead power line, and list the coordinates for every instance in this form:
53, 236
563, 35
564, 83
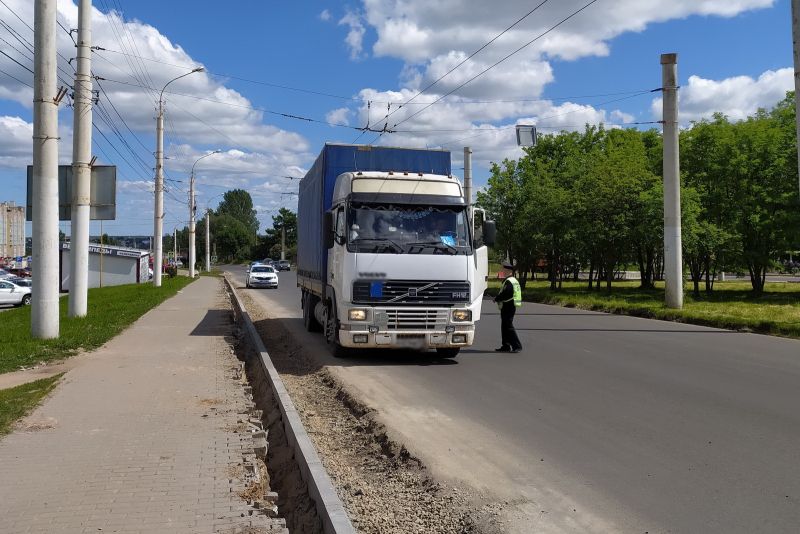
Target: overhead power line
493, 65
473, 54
254, 108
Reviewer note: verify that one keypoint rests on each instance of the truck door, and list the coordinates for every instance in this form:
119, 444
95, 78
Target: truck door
481, 254
337, 253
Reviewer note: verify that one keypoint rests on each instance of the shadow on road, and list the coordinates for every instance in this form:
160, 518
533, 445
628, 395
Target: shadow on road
643, 330
292, 356
214, 323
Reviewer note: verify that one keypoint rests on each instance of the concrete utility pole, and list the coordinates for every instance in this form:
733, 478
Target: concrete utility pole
44, 302
158, 211
192, 217
796, 43
191, 226
81, 168
673, 253
283, 240
208, 244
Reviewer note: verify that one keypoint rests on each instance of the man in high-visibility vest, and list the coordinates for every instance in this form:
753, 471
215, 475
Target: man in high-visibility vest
508, 300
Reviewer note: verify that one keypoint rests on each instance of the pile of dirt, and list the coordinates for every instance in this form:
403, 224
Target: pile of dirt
383, 487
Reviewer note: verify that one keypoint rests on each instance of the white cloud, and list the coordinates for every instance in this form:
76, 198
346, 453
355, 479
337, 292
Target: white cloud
431, 38
16, 142
355, 37
201, 112
325, 15
339, 116
737, 97
210, 113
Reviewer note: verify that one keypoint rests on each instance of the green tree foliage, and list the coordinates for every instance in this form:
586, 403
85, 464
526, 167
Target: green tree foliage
746, 176
594, 200
238, 204
269, 245
234, 239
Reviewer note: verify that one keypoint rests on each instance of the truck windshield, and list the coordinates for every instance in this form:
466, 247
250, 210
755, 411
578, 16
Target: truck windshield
393, 229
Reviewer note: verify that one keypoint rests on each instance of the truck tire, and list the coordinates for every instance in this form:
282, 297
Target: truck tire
309, 321
332, 333
447, 352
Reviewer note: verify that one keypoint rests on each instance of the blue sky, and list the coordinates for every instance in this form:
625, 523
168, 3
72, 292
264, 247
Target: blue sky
734, 56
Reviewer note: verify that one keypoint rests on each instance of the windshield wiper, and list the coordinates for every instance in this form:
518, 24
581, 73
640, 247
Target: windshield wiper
378, 242
422, 245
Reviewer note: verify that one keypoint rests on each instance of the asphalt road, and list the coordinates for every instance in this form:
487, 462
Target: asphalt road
603, 423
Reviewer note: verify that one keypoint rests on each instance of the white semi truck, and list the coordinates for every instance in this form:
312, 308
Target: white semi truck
389, 254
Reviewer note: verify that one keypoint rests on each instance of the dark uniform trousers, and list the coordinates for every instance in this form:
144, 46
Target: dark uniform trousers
507, 331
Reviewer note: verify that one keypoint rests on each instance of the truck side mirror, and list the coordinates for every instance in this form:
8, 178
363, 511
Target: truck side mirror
327, 229
489, 233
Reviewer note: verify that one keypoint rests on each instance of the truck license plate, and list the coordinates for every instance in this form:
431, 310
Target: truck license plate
415, 342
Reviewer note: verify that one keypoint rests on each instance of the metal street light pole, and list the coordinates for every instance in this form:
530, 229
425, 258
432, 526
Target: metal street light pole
158, 211
192, 258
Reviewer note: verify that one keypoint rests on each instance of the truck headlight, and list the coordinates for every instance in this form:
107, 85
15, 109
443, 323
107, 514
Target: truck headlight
462, 315
358, 315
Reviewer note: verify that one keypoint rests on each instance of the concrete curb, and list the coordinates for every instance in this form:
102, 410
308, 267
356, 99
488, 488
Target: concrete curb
329, 507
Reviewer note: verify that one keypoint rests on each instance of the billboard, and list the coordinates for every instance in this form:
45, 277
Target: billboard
103, 193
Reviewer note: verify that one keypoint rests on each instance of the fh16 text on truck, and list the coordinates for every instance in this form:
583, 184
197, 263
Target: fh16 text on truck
389, 253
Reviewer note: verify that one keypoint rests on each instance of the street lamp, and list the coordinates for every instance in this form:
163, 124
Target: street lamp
192, 215
158, 211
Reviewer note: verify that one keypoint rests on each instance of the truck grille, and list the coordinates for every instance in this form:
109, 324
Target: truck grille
412, 319
403, 292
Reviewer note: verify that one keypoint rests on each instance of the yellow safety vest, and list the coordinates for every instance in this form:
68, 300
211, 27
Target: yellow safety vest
517, 296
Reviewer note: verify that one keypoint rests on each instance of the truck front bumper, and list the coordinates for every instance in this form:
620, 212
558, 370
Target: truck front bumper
408, 339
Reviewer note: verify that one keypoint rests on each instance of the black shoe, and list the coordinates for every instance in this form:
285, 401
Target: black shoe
503, 349
514, 351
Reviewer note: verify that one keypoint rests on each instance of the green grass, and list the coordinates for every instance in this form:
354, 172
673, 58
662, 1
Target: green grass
732, 305
19, 401
213, 272
111, 310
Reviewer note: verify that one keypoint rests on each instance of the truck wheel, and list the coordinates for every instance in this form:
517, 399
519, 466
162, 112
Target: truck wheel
448, 352
332, 335
309, 321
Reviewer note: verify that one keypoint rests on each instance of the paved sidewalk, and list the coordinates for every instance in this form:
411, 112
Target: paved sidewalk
142, 437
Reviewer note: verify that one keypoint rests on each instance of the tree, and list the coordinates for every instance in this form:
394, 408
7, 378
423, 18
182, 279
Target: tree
233, 238
746, 175
238, 204
285, 219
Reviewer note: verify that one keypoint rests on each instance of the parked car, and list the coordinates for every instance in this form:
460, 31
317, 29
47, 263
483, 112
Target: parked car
22, 272
262, 276
284, 265
5, 274
24, 282
11, 293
